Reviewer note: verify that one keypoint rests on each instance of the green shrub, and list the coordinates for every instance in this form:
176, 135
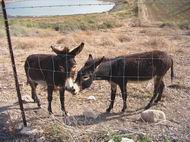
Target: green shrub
145, 139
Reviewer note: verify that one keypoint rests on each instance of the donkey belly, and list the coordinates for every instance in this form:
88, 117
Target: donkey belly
139, 79
43, 83
36, 76
140, 74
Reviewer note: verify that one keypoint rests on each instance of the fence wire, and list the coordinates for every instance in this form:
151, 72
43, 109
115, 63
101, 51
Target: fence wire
50, 6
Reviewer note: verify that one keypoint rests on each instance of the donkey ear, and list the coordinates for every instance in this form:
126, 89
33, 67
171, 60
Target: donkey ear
77, 50
59, 51
90, 57
96, 64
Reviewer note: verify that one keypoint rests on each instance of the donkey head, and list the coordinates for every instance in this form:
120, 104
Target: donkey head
67, 65
86, 73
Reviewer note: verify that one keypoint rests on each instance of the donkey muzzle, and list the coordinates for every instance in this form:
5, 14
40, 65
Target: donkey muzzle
71, 86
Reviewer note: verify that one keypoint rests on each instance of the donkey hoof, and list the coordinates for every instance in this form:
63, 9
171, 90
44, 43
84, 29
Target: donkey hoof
35, 100
50, 113
64, 113
52, 116
108, 110
39, 105
147, 107
123, 110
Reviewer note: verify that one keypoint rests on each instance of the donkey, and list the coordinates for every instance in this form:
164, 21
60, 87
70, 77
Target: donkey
123, 69
55, 71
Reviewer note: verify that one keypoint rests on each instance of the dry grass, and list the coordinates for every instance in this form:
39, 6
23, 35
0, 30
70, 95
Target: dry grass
169, 12
124, 38
156, 43
111, 43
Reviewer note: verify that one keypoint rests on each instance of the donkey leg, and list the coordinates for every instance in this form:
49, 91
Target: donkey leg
34, 94
33, 90
113, 93
50, 92
62, 99
160, 91
124, 95
157, 81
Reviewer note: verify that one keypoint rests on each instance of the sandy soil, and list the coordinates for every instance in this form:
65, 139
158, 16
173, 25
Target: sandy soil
128, 39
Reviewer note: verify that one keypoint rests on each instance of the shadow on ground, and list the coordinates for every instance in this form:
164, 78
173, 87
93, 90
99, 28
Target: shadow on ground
7, 130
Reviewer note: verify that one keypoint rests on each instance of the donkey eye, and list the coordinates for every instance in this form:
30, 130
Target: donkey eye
75, 66
86, 77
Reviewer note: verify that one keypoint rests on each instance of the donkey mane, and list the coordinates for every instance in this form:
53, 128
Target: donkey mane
156, 54
92, 61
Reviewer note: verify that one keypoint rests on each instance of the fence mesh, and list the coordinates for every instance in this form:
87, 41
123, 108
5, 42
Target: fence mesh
31, 39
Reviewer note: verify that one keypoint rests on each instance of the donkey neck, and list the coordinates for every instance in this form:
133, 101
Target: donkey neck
102, 72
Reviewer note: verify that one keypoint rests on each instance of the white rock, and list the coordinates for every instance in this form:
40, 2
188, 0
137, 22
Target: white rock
29, 131
123, 140
91, 98
89, 113
20, 126
127, 140
27, 99
111, 140
153, 116
41, 139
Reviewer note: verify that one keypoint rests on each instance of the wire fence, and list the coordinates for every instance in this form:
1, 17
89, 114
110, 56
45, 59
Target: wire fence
51, 6
74, 5
73, 119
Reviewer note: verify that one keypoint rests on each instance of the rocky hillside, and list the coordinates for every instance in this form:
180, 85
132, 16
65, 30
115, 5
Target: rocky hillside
175, 12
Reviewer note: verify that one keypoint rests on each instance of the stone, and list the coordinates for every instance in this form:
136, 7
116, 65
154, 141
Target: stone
89, 113
27, 99
91, 98
111, 140
41, 139
123, 140
153, 116
29, 131
126, 140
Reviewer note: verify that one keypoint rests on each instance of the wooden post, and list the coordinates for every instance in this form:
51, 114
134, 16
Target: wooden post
13, 61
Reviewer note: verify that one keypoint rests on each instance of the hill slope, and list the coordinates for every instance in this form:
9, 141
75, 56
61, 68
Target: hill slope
170, 11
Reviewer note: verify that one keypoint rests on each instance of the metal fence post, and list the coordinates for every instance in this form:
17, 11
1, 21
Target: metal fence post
13, 61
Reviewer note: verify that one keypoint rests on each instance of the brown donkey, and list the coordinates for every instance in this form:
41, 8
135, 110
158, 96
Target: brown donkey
123, 69
55, 71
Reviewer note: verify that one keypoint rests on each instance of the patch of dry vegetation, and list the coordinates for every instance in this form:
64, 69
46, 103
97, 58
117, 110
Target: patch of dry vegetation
170, 12
156, 43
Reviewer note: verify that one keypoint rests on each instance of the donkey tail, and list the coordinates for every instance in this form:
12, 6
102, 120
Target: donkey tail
172, 70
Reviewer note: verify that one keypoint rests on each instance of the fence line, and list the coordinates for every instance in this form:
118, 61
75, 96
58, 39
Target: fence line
146, 2
78, 5
50, 6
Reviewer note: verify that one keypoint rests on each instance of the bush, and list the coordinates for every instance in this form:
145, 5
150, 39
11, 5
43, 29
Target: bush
145, 139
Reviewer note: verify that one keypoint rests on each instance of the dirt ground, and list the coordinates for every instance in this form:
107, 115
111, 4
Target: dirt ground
128, 39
